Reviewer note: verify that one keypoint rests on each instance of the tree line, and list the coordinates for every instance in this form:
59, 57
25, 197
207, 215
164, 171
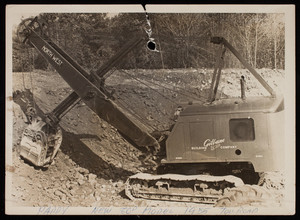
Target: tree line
183, 39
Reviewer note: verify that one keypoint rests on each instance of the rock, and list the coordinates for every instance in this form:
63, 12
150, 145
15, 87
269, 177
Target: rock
104, 135
64, 199
120, 184
58, 193
64, 186
90, 199
97, 185
69, 185
79, 176
93, 183
72, 162
92, 176
72, 200
150, 118
229, 81
97, 196
119, 165
80, 182
82, 170
72, 192
107, 172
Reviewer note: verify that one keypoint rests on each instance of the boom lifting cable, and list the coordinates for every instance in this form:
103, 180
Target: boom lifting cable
23, 75
30, 108
135, 78
30, 74
151, 45
183, 94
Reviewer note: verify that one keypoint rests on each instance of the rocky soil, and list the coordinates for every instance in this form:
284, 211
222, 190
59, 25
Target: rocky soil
94, 160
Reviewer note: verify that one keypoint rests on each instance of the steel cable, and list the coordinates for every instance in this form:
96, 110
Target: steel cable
186, 95
135, 78
172, 90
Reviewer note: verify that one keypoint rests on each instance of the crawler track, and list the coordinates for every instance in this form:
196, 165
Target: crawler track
182, 188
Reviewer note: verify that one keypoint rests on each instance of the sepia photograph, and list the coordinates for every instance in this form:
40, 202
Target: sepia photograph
150, 110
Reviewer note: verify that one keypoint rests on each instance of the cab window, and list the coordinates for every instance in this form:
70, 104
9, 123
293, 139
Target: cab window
241, 129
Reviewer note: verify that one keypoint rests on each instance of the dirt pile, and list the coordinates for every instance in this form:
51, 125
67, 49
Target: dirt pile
94, 159
63, 184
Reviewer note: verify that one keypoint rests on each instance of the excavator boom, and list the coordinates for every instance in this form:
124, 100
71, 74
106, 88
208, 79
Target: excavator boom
92, 96
87, 87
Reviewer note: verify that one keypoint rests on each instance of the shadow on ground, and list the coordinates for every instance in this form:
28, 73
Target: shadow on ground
72, 145
84, 157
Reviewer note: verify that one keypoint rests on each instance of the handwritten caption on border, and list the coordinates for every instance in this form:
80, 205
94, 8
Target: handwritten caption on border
190, 210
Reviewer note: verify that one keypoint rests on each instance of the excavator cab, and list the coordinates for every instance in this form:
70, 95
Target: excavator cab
230, 131
243, 133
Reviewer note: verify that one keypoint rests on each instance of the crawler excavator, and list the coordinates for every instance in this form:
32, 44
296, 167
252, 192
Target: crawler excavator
213, 154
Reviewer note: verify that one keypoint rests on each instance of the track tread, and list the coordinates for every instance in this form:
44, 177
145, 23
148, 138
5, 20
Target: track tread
131, 189
245, 195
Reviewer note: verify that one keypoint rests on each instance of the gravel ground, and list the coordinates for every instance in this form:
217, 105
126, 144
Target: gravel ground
94, 160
